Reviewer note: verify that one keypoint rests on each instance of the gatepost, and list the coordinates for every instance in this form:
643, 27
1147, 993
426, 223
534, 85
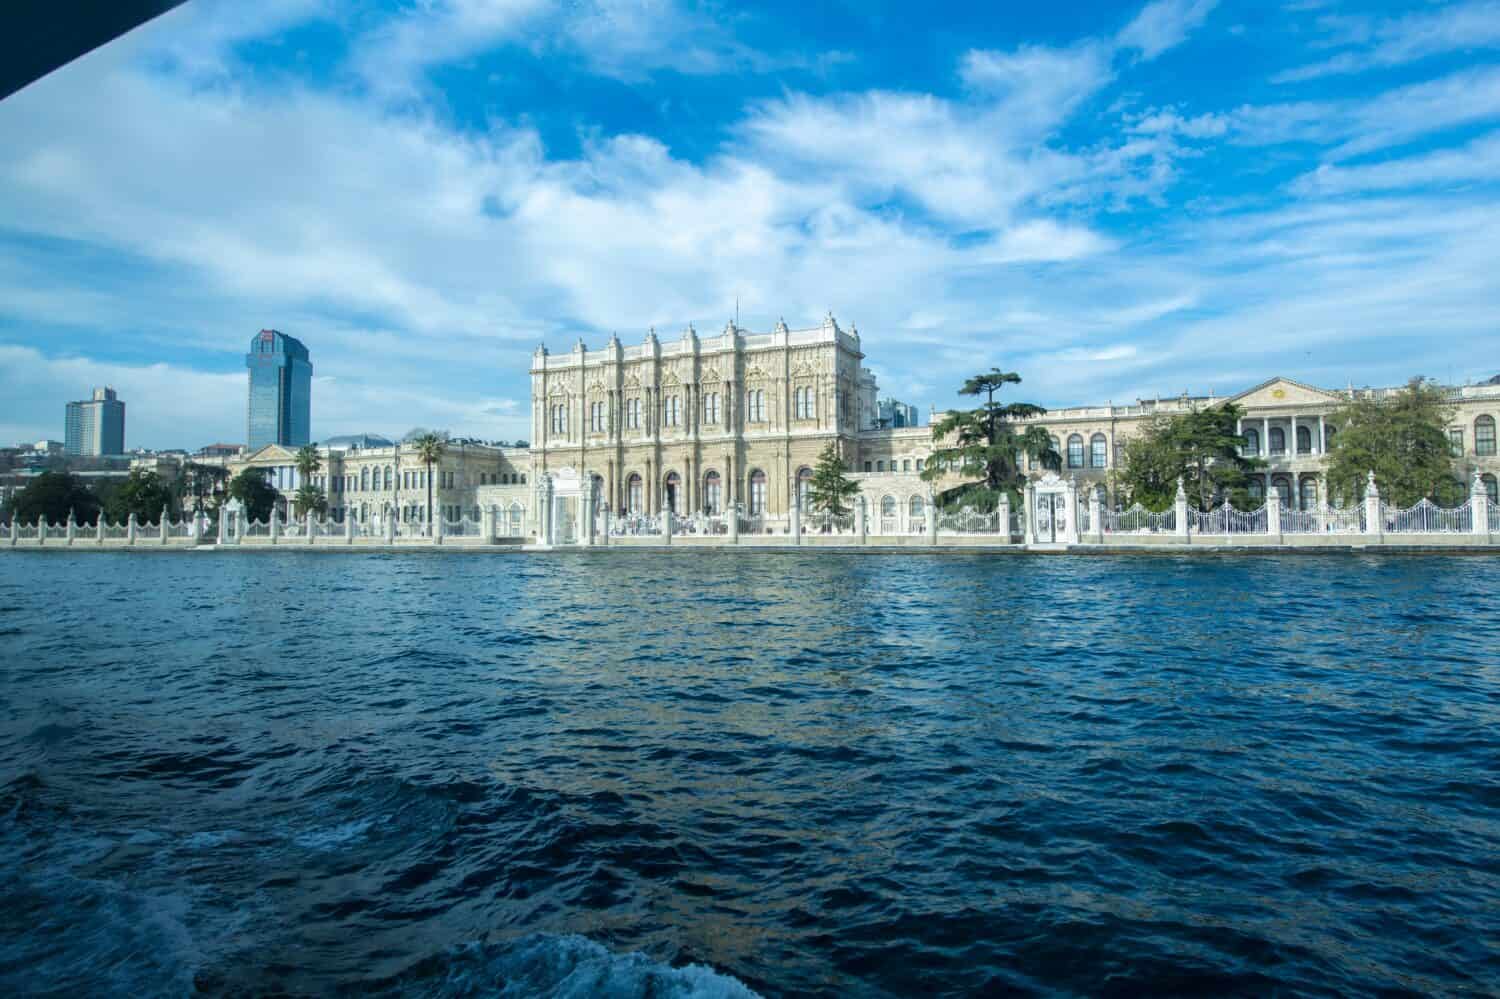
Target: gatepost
1096, 513
734, 523
1374, 522
99, 529
1479, 506
41, 529
275, 525
1002, 512
165, 526
311, 533
666, 526
586, 514
1180, 511
861, 527
72, 528
796, 516
487, 523
130, 530
1273, 514
1028, 500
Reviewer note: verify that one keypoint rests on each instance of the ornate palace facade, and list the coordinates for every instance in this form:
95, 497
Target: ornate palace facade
701, 423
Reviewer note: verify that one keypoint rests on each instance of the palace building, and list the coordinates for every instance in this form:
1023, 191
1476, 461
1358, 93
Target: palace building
698, 425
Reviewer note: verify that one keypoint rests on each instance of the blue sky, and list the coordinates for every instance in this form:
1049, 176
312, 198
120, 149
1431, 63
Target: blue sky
1115, 200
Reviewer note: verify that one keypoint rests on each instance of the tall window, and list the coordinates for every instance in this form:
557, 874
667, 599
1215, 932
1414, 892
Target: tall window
1278, 440
596, 417
888, 506
1484, 436
1098, 451
1075, 451
802, 404
633, 414
673, 490
634, 494
711, 409
804, 486
757, 492
1283, 490
1456, 441
390, 477
671, 411
364, 479
1257, 489
713, 494
755, 406
1304, 440
1057, 454
560, 418
1251, 445
1491, 488
1308, 488
914, 508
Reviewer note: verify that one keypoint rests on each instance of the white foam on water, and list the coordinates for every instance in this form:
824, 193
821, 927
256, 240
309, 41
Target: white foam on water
574, 967
327, 839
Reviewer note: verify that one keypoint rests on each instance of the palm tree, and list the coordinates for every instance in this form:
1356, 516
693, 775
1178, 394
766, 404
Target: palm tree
430, 446
308, 462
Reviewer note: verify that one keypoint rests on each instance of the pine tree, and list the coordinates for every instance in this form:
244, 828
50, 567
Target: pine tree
985, 445
1403, 439
1201, 448
831, 488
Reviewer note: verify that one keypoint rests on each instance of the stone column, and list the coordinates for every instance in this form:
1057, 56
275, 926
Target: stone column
1322, 435
41, 529
487, 524
1003, 513
389, 527
1265, 437
15, 524
130, 530
666, 526
1180, 509
1374, 523
796, 518
932, 524
99, 529
1479, 506
275, 525
733, 509
586, 514
1070, 527
1273, 514
1029, 506
72, 529
348, 527
604, 538
163, 527
310, 531
861, 524
1291, 450
1096, 515
438, 527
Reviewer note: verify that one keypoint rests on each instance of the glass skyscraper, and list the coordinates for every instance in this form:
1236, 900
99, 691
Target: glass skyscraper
280, 407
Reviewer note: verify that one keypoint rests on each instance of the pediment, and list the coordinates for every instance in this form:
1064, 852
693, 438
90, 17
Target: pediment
754, 372
632, 381
1283, 392
804, 370
557, 392
670, 378
271, 452
710, 376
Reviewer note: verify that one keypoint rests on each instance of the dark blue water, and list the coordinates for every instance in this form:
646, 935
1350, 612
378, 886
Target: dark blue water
706, 773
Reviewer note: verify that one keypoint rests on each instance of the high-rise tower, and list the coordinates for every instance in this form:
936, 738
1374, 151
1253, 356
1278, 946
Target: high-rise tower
96, 426
280, 403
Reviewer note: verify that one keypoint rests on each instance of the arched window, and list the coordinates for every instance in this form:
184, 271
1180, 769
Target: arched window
1278, 440
1252, 443
1308, 490
1283, 487
888, 506
757, 492
1053, 460
804, 485
1484, 436
364, 480
1257, 489
1491, 488
914, 507
1098, 451
713, 493
1075, 451
672, 491
634, 494
1304, 440
390, 476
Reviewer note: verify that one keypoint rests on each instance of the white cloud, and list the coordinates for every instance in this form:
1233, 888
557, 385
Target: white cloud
1164, 24
1462, 27
1477, 162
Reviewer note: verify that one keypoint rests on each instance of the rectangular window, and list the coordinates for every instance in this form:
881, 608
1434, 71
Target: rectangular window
920, 463
1456, 441
633, 414
867, 466
711, 408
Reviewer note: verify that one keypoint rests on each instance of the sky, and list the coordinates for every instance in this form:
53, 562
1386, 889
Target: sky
1116, 201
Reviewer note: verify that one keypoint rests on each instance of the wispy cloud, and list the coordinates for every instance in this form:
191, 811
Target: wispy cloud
1164, 24
1460, 27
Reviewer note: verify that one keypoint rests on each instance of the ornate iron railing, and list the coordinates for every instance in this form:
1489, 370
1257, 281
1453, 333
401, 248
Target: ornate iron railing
968, 521
1426, 517
1227, 520
257, 529
1138, 520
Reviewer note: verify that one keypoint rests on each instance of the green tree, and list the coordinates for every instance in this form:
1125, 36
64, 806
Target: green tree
430, 446
52, 495
831, 489
985, 445
255, 494
202, 482
1403, 439
1201, 447
143, 494
309, 497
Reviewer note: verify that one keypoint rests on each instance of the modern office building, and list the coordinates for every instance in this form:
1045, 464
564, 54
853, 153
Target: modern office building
96, 426
895, 414
280, 397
